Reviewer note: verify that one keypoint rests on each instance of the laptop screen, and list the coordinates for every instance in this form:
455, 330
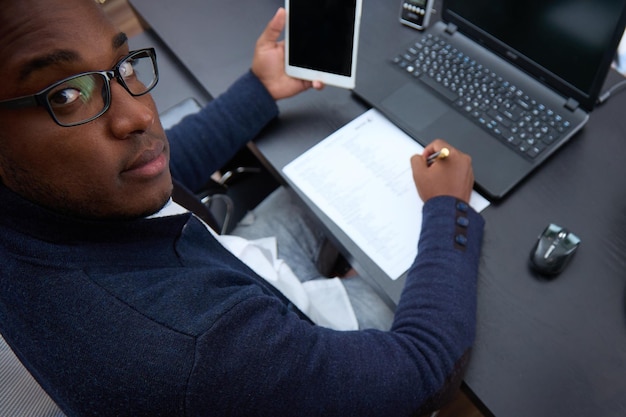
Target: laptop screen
568, 44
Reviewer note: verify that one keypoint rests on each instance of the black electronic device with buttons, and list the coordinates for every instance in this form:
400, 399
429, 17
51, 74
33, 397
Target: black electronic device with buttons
553, 249
416, 13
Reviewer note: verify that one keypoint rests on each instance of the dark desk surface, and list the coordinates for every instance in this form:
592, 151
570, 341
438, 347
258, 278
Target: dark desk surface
543, 348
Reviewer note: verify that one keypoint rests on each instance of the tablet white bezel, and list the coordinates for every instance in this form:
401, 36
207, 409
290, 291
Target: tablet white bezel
327, 78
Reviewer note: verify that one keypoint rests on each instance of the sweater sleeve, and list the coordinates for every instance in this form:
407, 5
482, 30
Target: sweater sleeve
203, 142
310, 370
438, 305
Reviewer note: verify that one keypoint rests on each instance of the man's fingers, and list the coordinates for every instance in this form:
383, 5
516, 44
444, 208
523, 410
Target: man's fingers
274, 28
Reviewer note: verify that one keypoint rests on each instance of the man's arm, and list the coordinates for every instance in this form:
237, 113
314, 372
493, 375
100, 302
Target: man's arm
438, 304
410, 370
202, 143
310, 370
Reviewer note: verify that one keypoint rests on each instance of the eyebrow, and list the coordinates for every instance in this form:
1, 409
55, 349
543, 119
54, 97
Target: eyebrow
56, 57
62, 56
119, 40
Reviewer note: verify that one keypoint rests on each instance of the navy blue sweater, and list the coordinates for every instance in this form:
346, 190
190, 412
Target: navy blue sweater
152, 317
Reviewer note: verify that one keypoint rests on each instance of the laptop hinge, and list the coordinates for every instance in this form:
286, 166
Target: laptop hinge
571, 104
451, 28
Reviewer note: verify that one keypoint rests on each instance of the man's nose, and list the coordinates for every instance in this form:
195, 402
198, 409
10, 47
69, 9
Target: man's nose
129, 114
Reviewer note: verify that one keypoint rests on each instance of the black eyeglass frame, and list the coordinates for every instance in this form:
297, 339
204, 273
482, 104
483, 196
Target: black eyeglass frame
41, 98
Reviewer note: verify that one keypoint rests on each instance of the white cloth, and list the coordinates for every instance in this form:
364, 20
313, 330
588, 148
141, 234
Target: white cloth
325, 301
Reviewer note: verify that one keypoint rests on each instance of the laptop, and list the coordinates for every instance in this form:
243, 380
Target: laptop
505, 81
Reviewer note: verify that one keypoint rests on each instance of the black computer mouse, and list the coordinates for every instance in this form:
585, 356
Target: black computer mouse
553, 250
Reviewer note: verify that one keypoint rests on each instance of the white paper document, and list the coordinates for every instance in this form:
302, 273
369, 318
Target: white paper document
360, 177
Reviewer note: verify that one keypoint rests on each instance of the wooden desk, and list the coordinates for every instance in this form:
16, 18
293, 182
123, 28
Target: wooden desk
543, 348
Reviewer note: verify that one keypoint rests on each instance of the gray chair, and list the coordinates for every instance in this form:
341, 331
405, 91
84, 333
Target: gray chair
20, 394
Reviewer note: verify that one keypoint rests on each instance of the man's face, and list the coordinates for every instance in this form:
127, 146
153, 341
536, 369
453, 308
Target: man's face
115, 166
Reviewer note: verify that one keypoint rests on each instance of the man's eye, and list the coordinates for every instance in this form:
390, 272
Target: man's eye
81, 87
65, 97
126, 69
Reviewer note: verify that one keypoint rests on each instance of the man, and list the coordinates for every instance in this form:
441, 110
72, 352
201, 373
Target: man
119, 312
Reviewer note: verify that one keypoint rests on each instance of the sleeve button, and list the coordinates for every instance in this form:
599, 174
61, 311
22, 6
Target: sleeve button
461, 240
462, 221
461, 206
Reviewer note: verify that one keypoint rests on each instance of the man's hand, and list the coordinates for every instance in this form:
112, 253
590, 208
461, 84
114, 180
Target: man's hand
452, 176
268, 63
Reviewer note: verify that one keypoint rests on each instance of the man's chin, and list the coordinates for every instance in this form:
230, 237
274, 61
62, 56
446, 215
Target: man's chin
145, 203
160, 207
159, 202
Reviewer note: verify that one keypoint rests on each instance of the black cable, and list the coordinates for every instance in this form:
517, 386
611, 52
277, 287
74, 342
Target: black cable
610, 92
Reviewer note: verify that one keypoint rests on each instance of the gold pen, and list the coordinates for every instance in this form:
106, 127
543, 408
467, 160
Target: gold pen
442, 154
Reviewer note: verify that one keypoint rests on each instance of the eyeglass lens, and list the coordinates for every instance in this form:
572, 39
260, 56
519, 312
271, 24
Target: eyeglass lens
87, 96
138, 73
79, 99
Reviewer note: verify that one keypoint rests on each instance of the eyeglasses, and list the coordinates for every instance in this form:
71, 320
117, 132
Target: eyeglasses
84, 97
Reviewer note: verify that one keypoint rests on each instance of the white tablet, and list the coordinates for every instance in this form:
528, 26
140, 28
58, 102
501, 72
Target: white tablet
321, 40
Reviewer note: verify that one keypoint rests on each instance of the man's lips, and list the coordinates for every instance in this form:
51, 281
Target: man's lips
149, 163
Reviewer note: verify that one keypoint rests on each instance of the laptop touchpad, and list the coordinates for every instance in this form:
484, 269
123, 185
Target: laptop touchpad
415, 106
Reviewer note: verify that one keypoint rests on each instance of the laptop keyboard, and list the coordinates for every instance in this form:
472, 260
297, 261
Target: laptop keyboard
493, 103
